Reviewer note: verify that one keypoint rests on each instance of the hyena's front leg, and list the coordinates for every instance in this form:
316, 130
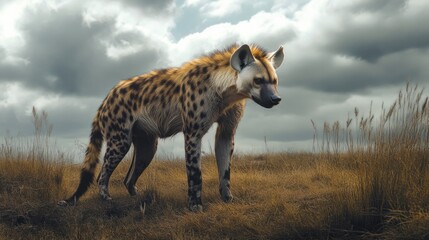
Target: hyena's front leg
224, 147
193, 170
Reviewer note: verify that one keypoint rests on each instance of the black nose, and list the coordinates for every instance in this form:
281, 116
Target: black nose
275, 99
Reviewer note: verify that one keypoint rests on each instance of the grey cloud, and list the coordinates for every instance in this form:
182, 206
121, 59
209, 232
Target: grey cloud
153, 8
66, 55
280, 128
322, 73
375, 40
384, 6
273, 41
389, 32
8, 121
2, 53
390, 50
71, 120
8, 71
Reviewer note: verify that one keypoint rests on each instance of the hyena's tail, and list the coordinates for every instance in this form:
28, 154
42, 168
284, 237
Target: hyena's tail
90, 163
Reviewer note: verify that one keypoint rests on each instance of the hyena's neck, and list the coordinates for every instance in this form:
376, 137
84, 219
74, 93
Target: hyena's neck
223, 78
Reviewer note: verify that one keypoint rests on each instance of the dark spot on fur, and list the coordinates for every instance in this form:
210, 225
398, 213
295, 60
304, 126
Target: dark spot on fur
191, 114
196, 177
177, 89
162, 71
116, 109
124, 149
114, 95
190, 74
194, 160
128, 107
202, 102
197, 70
168, 83
192, 85
207, 77
194, 105
192, 97
154, 86
135, 86
203, 115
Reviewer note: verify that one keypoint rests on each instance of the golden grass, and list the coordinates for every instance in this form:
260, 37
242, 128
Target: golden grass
369, 179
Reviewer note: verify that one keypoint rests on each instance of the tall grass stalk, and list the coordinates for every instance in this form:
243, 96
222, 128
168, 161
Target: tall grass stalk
30, 168
390, 156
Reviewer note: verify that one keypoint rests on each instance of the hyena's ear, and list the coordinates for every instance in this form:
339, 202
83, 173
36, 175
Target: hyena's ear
277, 57
241, 58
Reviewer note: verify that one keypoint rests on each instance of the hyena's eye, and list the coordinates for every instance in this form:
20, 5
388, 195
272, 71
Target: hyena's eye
258, 80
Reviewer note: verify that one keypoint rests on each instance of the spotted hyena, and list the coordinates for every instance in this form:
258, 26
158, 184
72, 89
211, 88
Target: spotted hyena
188, 99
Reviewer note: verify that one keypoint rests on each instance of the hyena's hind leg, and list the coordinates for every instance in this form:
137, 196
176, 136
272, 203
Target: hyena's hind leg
117, 147
145, 146
224, 147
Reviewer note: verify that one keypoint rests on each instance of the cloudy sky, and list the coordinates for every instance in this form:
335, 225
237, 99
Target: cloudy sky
63, 56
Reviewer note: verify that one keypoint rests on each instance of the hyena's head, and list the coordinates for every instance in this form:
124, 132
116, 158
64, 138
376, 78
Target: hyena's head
257, 78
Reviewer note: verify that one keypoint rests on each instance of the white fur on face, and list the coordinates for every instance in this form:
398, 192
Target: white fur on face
245, 79
246, 76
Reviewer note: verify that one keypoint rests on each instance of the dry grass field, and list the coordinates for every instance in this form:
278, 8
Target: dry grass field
368, 178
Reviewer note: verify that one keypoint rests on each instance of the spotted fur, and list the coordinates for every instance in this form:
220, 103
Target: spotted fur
187, 99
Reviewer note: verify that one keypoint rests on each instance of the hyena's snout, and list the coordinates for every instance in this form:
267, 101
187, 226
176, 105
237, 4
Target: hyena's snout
275, 99
268, 96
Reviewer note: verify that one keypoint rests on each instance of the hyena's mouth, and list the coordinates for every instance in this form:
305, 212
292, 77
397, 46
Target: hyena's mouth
265, 104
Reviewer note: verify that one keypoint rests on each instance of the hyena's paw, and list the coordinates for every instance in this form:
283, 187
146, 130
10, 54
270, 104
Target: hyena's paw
106, 197
68, 202
132, 190
104, 193
226, 195
196, 208
64, 203
195, 204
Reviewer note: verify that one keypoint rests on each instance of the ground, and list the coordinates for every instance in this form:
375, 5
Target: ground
276, 196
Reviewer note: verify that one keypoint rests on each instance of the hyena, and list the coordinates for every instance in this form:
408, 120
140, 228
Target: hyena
188, 99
